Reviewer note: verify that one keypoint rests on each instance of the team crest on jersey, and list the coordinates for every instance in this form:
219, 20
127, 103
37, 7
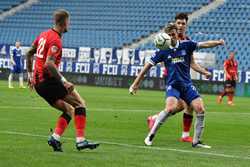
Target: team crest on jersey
54, 49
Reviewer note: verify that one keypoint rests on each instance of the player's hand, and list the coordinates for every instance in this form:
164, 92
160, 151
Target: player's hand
221, 42
30, 81
208, 74
69, 86
133, 89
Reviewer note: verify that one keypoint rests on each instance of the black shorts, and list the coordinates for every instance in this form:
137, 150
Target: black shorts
51, 90
230, 83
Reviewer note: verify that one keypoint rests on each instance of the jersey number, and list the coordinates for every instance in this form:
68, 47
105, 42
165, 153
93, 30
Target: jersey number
40, 48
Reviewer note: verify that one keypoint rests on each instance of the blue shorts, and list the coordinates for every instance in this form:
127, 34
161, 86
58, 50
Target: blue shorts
186, 92
16, 69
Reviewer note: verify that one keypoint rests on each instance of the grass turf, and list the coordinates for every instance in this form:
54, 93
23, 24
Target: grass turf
118, 121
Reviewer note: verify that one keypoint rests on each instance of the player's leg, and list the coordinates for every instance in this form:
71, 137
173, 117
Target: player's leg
21, 80
187, 123
193, 99
187, 120
80, 120
231, 93
64, 119
52, 91
223, 93
171, 103
62, 123
79, 114
200, 123
151, 119
10, 79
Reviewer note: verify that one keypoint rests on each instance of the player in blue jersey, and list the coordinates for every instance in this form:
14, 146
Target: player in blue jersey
181, 20
16, 65
177, 60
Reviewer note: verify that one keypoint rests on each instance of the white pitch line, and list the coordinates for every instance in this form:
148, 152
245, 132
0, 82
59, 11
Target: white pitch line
137, 146
118, 109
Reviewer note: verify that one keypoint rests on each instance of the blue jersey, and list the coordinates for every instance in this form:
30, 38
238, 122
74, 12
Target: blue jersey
177, 61
17, 56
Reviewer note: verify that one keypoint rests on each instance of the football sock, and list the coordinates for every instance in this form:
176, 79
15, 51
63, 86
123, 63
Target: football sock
80, 123
162, 117
61, 125
199, 126
187, 123
21, 79
10, 79
230, 96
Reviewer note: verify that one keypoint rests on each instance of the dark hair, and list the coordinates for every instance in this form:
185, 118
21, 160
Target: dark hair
181, 16
171, 26
60, 16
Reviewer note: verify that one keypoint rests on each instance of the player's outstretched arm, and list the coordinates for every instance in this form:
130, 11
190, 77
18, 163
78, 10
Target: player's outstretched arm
196, 67
211, 44
135, 86
29, 57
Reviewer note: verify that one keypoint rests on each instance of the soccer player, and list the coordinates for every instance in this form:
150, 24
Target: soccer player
181, 20
231, 76
53, 87
177, 60
16, 65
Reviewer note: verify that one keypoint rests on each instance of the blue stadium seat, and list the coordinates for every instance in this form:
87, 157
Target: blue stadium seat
95, 23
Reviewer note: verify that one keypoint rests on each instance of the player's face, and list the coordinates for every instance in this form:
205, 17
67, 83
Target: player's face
174, 36
66, 28
181, 25
18, 44
231, 56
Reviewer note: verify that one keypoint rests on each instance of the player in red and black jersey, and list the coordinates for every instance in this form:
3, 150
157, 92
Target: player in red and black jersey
231, 76
52, 86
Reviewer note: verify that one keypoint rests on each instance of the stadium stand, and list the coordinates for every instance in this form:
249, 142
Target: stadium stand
113, 23
96, 23
6, 5
230, 22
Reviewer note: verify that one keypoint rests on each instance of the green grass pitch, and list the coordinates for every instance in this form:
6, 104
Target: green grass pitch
118, 121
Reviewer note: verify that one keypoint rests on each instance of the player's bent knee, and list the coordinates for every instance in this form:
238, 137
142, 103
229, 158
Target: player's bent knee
199, 108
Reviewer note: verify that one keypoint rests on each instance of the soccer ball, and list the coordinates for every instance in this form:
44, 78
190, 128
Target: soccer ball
162, 41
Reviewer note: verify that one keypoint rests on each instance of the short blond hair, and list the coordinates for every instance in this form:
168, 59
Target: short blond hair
60, 16
171, 26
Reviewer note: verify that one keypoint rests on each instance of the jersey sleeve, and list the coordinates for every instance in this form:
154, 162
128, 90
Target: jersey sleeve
156, 57
192, 45
54, 49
